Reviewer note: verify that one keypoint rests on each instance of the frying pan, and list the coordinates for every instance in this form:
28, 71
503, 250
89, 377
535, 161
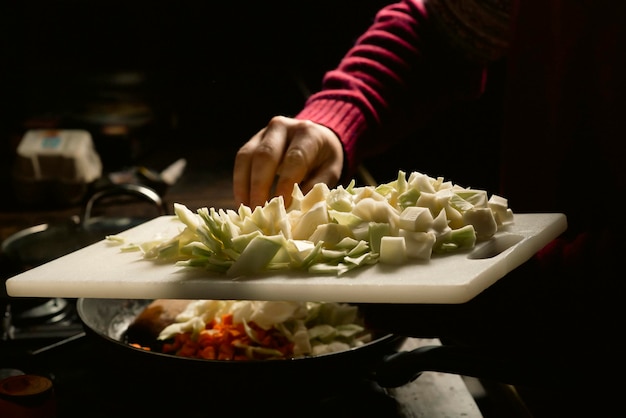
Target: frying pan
107, 320
39, 244
45, 242
380, 360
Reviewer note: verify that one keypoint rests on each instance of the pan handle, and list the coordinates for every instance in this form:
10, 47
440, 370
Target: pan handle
400, 368
140, 191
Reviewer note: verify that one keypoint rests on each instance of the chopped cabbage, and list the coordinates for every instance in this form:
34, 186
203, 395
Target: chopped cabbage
332, 231
314, 327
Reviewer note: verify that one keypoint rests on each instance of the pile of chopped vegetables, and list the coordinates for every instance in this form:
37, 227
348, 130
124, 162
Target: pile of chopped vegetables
261, 330
332, 231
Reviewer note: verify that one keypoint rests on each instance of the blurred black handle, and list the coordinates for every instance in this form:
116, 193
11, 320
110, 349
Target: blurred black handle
136, 190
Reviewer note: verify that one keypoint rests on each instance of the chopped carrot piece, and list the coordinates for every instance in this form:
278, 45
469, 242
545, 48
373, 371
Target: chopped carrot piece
227, 319
220, 339
226, 352
140, 346
188, 349
208, 353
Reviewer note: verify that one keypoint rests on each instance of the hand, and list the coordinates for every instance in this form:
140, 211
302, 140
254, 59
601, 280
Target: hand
285, 152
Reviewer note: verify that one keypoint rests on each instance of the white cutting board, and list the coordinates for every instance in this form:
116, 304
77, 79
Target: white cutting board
101, 270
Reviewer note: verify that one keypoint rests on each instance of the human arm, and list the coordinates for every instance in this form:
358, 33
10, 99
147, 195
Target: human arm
416, 59
401, 71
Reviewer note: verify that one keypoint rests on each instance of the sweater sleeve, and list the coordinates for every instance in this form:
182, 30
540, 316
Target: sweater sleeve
411, 62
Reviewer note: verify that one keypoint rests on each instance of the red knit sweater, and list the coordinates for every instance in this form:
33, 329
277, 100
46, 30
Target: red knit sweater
565, 101
403, 69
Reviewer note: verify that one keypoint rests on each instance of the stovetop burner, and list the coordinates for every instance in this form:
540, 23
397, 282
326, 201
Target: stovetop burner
39, 319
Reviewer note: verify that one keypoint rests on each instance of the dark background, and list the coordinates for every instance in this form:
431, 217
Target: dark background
215, 71
200, 77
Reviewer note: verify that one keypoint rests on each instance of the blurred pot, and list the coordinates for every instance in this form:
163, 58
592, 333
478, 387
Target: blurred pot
42, 243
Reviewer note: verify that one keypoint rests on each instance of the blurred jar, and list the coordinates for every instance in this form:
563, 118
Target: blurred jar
55, 167
27, 396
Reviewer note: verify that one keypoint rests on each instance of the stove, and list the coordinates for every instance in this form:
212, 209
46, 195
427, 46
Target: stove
39, 319
91, 378
88, 378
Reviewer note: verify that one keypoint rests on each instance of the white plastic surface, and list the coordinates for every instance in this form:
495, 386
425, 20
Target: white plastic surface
102, 271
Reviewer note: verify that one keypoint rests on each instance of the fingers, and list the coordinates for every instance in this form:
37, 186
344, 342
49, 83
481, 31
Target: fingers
243, 168
257, 162
286, 152
328, 164
296, 162
314, 155
241, 174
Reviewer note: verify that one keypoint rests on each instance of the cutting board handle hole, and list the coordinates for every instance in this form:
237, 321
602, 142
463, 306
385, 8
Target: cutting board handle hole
495, 246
